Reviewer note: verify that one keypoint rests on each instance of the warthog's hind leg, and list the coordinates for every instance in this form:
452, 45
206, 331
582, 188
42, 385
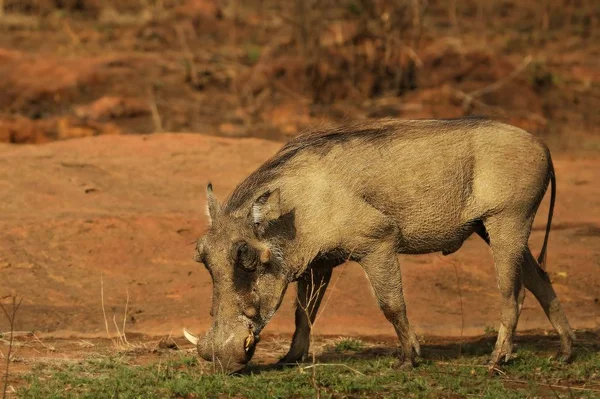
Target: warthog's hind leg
536, 280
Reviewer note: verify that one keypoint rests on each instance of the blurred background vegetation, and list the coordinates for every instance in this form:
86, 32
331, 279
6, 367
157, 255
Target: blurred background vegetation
265, 68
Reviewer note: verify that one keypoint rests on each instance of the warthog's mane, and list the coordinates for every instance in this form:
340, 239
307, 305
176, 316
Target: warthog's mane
321, 141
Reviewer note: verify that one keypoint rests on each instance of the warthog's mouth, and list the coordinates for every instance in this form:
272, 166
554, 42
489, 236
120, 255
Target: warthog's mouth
249, 342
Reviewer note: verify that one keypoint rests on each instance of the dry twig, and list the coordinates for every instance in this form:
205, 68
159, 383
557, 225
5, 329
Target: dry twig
552, 386
498, 84
188, 55
158, 126
48, 348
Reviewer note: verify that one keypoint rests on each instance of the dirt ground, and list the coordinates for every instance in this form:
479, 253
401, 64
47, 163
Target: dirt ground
120, 214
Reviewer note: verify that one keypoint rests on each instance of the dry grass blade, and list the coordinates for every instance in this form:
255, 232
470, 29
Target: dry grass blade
10, 316
85, 344
312, 315
312, 366
103, 309
120, 342
48, 348
15, 333
498, 84
158, 126
552, 386
125, 317
312, 298
460, 296
188, 55
492, 368
119, 334
341, 268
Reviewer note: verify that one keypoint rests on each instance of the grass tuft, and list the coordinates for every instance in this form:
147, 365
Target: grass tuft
348, 344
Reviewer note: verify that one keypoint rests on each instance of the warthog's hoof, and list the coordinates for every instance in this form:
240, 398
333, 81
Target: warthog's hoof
499, 358
407, 358
414, 345
291, 360
563, 356
409, 352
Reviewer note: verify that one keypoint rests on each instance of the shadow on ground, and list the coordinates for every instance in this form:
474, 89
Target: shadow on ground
440, 349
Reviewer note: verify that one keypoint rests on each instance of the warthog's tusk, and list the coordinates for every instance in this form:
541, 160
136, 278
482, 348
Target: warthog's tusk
248, 341
190, 337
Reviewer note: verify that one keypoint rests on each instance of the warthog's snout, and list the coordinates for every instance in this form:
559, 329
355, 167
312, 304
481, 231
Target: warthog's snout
230, 349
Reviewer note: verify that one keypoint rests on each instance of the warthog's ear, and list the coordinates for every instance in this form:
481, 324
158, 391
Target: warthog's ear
212, 205
265, 209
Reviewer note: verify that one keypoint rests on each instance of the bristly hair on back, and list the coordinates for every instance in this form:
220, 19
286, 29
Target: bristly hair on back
322, 139
319, 139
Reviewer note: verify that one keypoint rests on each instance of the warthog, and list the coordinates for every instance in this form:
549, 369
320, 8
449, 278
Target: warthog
367, 192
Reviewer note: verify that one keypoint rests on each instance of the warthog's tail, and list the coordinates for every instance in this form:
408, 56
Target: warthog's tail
542, 258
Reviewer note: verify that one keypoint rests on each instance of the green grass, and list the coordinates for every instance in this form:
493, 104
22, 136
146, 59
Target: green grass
348, 344
369, 371
253, 53
490, 330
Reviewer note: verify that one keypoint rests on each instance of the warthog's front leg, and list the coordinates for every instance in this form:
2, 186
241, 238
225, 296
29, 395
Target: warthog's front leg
383, 270
311, 288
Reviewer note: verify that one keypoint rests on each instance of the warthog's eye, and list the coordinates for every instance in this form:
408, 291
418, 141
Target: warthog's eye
245, 256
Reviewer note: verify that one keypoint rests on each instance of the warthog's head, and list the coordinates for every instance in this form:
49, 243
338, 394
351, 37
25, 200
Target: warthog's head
249, 277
